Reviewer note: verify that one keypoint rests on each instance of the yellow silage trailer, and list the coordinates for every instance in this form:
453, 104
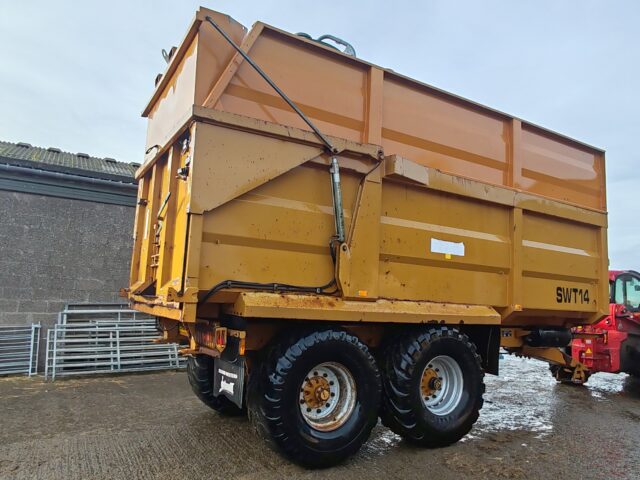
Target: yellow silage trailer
333, 242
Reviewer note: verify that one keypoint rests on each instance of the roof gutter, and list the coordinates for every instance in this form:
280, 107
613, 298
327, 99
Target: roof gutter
42, 182
63, 169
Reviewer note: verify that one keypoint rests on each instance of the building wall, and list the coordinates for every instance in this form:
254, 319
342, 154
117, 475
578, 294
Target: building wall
55, 251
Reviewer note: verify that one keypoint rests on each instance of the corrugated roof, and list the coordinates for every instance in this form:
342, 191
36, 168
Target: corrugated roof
53, 159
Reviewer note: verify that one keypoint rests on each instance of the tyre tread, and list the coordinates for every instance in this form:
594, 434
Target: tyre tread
266, 386
401, 357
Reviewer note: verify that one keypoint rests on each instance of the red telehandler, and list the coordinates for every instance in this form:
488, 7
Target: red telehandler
613, 344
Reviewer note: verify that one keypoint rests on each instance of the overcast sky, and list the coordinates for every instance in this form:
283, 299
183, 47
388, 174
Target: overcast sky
76, 75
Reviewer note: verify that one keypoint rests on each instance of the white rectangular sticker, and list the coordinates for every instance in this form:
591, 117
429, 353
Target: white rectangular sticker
448, 248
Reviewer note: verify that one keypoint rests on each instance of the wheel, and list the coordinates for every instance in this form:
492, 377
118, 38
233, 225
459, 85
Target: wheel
564, 375
200, 373
433, 386
316, 397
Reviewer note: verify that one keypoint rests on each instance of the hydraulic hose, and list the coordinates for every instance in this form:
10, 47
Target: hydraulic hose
335, 190
267, 79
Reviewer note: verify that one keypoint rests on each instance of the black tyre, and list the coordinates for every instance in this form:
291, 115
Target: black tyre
316, 397
433, 386
200, 373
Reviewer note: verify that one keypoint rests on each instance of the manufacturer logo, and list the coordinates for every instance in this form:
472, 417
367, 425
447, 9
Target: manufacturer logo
226, 386
228, 380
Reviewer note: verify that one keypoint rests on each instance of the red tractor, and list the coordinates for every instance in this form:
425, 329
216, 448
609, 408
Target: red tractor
613, 344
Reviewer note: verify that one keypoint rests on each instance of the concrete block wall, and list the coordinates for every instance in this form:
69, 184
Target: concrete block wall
55, 251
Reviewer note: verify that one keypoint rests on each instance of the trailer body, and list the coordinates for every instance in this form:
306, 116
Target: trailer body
468, 206
456, 215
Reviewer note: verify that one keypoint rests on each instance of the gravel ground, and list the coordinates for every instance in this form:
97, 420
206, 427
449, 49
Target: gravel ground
152, 426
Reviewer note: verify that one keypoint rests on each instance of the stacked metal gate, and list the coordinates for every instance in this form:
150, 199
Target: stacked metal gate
19, 349
91, 339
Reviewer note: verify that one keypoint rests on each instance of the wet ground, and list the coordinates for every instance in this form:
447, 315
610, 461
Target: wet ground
151, 426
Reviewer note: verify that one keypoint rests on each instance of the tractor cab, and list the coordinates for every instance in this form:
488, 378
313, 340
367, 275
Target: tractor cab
624, 307
613, 344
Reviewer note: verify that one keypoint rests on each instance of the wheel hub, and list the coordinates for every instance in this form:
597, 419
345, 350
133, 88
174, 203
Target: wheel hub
442, 385
435, 384
430, 382
327, 396
316, 391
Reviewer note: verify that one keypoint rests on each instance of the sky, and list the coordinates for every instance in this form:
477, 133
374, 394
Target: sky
76, 75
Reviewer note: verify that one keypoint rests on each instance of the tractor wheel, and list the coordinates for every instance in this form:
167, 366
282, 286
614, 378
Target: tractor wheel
564, 375
200, 373
433, 386
316, 397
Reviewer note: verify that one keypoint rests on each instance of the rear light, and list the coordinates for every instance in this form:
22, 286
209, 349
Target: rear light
213, 337
221, 338
206, 335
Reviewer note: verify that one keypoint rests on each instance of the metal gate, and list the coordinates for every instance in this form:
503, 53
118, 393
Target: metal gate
19, 346
90, 339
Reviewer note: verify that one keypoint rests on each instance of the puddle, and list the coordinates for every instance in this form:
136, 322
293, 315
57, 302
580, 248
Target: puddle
606, 385
526, 398
381, 442
521, 398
